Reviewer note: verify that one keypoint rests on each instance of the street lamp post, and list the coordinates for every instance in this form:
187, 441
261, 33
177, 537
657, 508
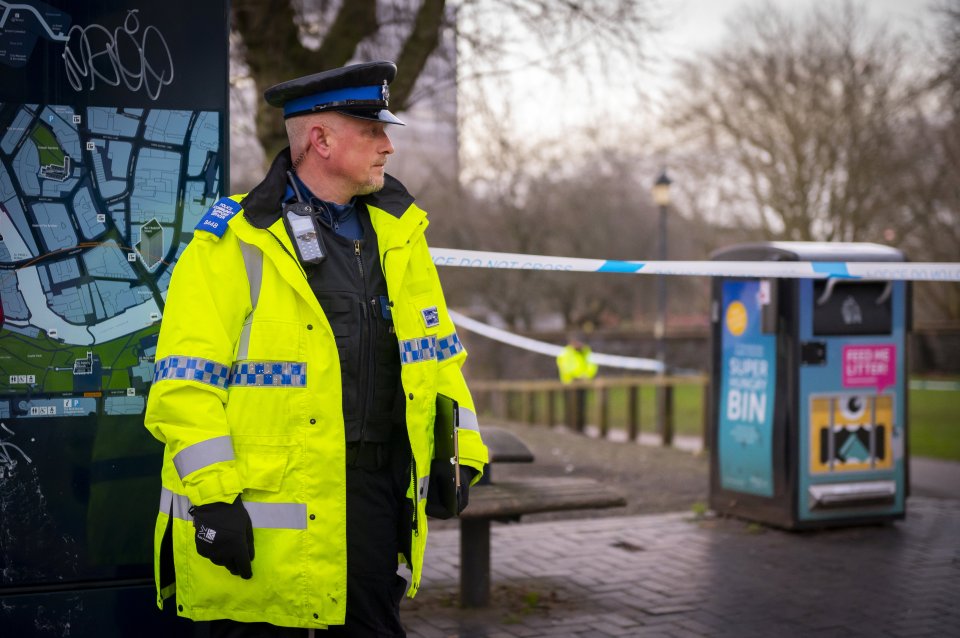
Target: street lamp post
661, 196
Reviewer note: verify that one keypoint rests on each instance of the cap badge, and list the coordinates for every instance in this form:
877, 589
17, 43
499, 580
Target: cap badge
385, 93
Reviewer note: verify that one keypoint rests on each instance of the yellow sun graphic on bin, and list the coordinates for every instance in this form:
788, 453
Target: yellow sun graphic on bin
736, 318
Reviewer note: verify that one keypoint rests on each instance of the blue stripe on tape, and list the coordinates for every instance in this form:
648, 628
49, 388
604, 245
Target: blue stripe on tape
832, 268
859, 270
620, 266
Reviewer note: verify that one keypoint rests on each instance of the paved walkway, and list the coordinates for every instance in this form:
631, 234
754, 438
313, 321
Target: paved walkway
928, 477
933, 477
675, 575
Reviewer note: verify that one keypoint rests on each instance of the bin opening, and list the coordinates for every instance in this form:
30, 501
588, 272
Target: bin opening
862, 494
852, 308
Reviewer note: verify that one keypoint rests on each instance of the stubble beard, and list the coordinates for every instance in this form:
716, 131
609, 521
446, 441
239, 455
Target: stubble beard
372, 185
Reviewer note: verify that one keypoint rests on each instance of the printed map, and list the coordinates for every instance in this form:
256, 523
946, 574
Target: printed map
96, 205
112, 134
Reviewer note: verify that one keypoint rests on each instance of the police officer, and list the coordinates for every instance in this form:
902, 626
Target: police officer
304, 342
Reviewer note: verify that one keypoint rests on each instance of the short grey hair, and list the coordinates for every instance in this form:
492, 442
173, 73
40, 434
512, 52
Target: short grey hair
298, 128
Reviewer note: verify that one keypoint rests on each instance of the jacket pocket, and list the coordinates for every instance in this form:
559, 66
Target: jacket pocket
274, 341
262, 461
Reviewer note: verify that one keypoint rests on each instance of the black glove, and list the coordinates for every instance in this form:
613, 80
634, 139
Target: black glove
225, 535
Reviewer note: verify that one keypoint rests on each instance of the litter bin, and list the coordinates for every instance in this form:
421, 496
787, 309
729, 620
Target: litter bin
808, 414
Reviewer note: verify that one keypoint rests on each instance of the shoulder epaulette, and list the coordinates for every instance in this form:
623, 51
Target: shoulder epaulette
216, 218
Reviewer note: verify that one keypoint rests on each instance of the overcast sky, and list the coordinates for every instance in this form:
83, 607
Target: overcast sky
688, 27
700, 24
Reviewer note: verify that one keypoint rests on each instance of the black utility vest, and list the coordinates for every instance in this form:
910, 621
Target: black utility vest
352, 290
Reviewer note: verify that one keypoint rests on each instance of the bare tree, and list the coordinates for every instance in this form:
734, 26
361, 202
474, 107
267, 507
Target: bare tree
594, 204
526, 193
274, 52
932, 211
947, 77
288, 38
803, 118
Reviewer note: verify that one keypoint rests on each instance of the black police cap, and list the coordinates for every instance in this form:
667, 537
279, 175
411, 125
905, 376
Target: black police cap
359, 90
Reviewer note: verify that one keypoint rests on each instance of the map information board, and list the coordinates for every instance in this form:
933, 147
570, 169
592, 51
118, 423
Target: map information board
112, 137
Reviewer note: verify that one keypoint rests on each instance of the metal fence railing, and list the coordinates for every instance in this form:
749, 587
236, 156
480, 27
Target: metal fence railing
551, 402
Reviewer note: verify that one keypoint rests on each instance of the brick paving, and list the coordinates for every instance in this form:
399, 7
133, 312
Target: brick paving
672, 575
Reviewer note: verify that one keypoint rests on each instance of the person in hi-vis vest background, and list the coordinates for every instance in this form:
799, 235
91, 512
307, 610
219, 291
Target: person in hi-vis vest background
574, 363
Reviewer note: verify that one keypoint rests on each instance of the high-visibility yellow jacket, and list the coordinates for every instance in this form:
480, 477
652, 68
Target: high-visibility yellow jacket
247, 400
575, 364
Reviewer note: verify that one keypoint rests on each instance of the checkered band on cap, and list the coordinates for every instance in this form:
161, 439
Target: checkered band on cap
448, 346
191, 369
269, 373
421, 349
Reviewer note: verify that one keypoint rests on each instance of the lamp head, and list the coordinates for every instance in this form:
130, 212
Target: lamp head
661, 189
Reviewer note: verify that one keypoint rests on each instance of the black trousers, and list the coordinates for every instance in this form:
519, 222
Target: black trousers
378, 528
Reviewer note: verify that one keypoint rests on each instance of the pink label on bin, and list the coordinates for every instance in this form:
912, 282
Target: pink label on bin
869, 366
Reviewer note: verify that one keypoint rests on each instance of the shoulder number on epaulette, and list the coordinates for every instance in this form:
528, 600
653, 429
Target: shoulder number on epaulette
216, 218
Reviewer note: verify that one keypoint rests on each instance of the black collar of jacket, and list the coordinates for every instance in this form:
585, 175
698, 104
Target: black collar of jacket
262, 205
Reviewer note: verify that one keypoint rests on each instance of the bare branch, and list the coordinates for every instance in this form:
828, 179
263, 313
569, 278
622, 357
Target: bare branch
417, 48
275, 53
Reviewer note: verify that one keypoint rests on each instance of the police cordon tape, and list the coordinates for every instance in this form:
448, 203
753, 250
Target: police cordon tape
891, 271
617, 361
888, 271
525, 343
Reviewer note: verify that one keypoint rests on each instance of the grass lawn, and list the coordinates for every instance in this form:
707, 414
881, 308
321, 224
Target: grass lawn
687, 406
933, 423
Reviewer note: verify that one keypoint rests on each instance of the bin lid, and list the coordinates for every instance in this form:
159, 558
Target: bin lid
807, 251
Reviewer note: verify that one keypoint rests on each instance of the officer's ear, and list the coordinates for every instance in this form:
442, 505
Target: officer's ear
321, 139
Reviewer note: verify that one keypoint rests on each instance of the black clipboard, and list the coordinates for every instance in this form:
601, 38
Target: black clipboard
443, 493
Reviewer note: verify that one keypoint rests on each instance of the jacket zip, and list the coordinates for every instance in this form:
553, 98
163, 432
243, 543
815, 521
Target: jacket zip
416, 495
364, 341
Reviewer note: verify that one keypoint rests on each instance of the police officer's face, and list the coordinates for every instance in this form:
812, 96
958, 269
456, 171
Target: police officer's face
360, 153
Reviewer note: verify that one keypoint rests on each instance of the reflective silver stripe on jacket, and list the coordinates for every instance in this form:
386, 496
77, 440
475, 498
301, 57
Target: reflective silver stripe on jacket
253, 263
467, 419
175, 505
244, 345
277, 515
262, 515
422, 487
203, 454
